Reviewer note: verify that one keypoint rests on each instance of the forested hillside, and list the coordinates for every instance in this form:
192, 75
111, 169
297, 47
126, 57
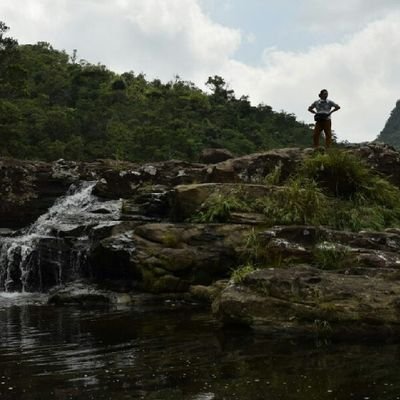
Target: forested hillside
391, 132
54, 106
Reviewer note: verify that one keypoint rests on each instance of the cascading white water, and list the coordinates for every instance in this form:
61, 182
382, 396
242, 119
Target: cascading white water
79, 207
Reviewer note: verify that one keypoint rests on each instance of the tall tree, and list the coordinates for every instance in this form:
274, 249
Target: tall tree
11, 74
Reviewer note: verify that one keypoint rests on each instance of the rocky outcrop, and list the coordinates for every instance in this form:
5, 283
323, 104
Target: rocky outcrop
124, 181
82, 294
368, 253
383, 158
146, 228
27, 190
186, 200
308, 301
214, 156
253, 168
319, 282
164, 257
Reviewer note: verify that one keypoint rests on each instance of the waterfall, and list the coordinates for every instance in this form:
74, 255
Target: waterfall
54, 248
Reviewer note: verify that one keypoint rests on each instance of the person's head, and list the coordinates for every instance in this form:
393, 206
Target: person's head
323, 94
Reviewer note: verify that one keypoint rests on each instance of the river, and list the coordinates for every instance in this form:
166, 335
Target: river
174, 351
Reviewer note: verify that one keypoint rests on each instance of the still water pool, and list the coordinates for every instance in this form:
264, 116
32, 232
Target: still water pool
173, 352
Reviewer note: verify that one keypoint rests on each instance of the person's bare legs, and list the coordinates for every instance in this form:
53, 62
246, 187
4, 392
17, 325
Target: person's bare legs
328, 132
318, 128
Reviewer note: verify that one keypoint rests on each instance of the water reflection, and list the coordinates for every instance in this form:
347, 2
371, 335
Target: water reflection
170, 352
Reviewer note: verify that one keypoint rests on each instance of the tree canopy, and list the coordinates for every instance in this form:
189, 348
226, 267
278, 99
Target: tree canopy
52, 106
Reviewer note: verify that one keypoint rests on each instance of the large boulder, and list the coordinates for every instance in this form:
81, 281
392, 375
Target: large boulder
187, 200
124, 182
366, 252
254, 167
382, 158
213, 156
81, 293
27, 190
308, 301
163, 257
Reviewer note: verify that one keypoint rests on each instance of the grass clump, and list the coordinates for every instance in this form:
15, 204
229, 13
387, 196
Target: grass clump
241, 272
254, 251
356, 197
338, 173
275, 176
301, 201
218, 208
331, 256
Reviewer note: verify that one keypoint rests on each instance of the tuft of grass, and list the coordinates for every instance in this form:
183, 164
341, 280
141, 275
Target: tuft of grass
218, 208
338, 172
301, 201
254, 251
357, 197
331, 256
275, 176
241, 272
379, 191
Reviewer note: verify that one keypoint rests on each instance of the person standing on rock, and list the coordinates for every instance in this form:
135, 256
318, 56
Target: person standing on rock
322, 110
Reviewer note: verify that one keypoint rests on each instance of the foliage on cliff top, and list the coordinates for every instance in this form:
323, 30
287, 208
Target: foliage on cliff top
54, 106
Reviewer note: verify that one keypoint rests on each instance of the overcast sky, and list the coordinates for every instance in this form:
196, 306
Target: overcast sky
278, 52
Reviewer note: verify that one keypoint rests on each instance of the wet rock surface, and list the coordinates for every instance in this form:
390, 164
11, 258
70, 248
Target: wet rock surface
84, 294
167, 257
308, 301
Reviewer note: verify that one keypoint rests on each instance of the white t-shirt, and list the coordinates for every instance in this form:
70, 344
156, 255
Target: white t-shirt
323, 106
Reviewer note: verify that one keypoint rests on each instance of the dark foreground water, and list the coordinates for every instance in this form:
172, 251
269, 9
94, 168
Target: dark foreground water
171, 352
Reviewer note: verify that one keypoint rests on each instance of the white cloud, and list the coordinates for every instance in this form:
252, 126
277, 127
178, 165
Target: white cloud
345, 15
360, 74
163, 38
160, 38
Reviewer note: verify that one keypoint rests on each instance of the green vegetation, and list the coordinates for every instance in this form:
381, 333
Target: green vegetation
339, 190
241, 272
54, 106
339, 173
218, 207
275, 176
331, 256
334, 189
255, 252
391, 132
300, 201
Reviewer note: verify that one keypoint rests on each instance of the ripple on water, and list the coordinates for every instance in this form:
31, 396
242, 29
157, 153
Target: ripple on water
172, 353
8, 299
